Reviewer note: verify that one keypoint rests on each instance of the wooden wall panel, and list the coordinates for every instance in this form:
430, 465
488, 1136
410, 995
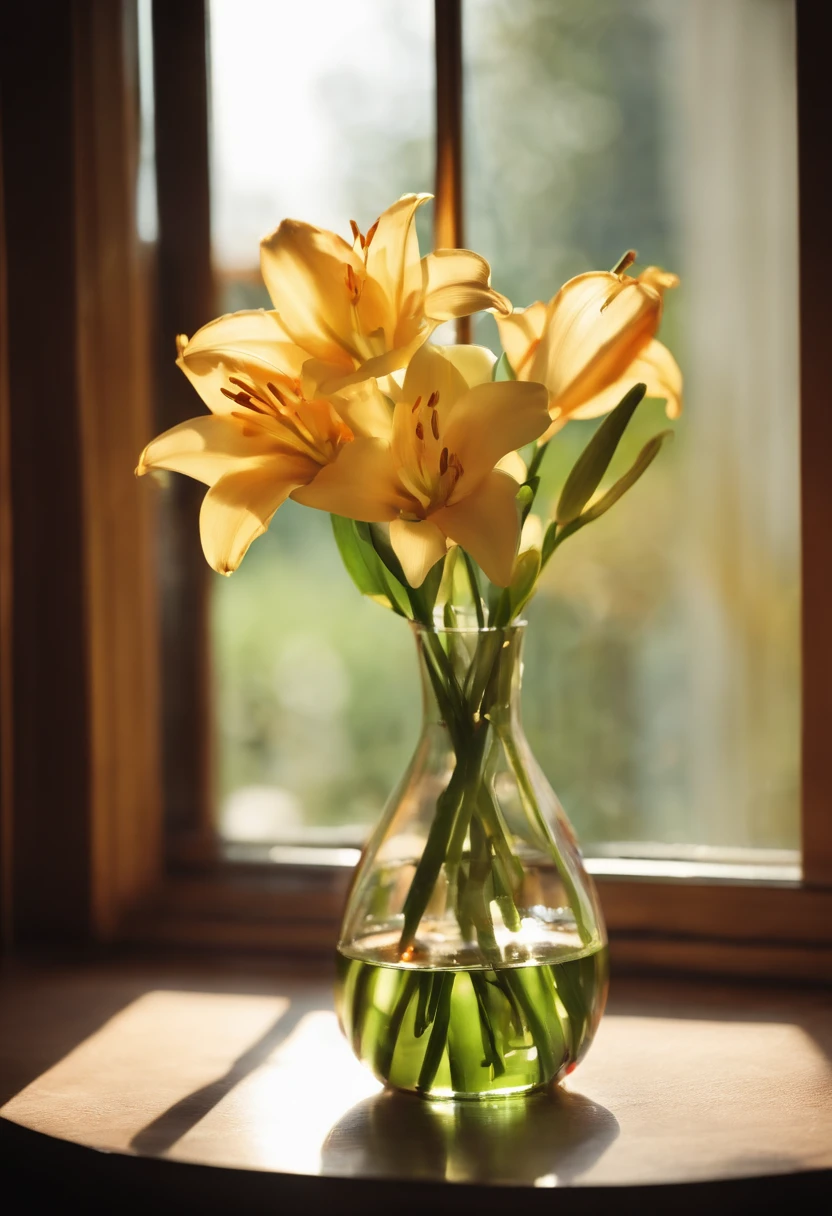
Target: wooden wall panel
6, 559
50, 673
116, 414
815, 184
84, 778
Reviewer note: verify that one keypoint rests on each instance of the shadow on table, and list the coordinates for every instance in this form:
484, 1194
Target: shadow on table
550, 1139
163, 1132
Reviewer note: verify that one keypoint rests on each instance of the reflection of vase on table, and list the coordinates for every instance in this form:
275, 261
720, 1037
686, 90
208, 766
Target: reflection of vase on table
550, 1139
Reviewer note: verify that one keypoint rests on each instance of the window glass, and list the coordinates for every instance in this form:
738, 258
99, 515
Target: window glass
321, 111
662, 680
662, 685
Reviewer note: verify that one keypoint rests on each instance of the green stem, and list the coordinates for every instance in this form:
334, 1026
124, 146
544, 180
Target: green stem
530, 799
387, 1046
439, 1032
436, 846
536, 462
482, 672
475, 588
476, 896
489, 1042
515, 980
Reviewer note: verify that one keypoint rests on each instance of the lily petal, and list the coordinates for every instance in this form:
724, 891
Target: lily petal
655, 367
520, 334
360, 483
238, 508
252, 345
474, 363
491, 420
531, 535
253, 332
513, 464
486, 523
595, 326
365, 409
457, 283
206, 448
393, 255
324, 378
434, 370
419, 545
305, 270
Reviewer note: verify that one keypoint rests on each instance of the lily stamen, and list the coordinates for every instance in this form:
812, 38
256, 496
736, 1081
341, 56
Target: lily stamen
248, 389
353, 285
624, 262
243, 398
276, 393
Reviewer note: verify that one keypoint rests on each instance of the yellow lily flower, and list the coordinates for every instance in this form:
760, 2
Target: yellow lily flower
434, 479
362, 310
263, 438
593, 341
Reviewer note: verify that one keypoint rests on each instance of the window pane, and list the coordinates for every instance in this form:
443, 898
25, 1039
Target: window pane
662, 683
662, 687
321, 111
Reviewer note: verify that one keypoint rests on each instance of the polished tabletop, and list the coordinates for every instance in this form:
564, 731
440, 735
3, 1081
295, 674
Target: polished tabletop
247, 1070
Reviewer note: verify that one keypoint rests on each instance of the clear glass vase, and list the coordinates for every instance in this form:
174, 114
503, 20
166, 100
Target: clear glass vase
472, 961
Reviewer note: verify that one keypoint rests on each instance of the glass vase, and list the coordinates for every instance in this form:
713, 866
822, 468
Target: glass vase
472, 961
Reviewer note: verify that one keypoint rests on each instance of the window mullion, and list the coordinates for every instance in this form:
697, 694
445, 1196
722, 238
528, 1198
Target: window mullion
185, 301
448, 224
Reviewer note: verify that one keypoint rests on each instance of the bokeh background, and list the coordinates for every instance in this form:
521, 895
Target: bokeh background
662, 675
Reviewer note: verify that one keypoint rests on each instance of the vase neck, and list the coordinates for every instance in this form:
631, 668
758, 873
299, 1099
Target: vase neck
468, 674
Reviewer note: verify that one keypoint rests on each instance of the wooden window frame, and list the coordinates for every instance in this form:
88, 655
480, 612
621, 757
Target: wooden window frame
83, 851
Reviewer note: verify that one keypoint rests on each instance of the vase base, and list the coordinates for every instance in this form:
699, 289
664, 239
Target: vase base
451, 1034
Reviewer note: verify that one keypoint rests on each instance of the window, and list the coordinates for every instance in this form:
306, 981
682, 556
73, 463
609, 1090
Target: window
311, 730
662, 687
673, 126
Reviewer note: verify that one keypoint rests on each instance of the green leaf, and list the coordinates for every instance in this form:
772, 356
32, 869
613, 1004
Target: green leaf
364, 565
353, 556
642, 462
379, 537
493, 595
549, 541
502, 369
556, 534
526, 570
594, 461
445, 594
430, 587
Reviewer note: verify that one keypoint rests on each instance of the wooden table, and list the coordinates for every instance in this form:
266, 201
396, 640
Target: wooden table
229, 1088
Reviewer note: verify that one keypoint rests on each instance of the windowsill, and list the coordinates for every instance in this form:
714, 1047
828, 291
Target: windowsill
673, 865
241, 1067
749, 920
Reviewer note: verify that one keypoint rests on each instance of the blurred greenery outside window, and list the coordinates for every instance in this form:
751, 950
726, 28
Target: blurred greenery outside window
662, 684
